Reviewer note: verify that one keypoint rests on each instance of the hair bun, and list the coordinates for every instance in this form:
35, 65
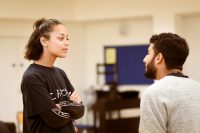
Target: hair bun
38, 23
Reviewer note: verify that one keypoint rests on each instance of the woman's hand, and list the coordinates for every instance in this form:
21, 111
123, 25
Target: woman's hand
75, 97
58, 106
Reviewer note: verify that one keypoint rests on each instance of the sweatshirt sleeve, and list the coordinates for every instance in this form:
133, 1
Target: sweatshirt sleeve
153, 113
76, 110
55, 118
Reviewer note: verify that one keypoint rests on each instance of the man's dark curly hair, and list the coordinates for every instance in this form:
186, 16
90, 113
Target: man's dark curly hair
173, 48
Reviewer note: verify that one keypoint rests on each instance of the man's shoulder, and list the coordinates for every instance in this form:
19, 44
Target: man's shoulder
158, 87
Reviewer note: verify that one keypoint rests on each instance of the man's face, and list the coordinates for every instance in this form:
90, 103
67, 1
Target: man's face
150, 69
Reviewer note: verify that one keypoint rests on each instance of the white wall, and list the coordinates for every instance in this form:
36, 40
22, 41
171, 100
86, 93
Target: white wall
33, 9
16, 27
162, 11
12, 68
190, 29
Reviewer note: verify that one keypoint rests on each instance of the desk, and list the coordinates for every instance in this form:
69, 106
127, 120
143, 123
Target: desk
120, 125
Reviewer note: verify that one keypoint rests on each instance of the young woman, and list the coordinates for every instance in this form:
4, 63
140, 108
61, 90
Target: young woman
50, 101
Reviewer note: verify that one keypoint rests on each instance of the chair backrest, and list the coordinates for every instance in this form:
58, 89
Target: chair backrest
11, 127
3, 128
20, 121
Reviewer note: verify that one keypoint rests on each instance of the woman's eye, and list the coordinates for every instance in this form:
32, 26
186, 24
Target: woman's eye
61, 38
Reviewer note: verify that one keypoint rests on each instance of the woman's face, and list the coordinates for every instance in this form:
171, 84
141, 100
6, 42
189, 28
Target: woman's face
58, 42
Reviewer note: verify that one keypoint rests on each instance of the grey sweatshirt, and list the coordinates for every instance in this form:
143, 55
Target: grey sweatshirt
171, 105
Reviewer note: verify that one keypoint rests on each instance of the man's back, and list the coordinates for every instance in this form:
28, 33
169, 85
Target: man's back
172, 105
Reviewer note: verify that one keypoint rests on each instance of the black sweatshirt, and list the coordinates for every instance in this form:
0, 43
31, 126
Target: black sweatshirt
42, 88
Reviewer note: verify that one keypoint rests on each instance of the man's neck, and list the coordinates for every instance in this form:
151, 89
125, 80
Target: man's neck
166, 72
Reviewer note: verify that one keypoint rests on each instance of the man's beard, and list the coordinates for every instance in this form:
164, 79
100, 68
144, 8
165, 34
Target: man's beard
151, 70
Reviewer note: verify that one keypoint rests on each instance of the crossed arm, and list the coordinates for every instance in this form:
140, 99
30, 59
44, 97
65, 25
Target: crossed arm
64, 112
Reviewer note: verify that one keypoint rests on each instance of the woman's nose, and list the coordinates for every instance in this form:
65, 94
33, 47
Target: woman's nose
66, 42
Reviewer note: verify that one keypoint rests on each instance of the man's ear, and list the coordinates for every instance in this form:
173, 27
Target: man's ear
43, 41
159, 58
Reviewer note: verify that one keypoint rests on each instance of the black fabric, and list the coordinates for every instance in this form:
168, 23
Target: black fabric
51, 118
42, 88
178, 74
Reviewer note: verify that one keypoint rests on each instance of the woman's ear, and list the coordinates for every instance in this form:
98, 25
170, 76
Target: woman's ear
43, 41
159, 58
